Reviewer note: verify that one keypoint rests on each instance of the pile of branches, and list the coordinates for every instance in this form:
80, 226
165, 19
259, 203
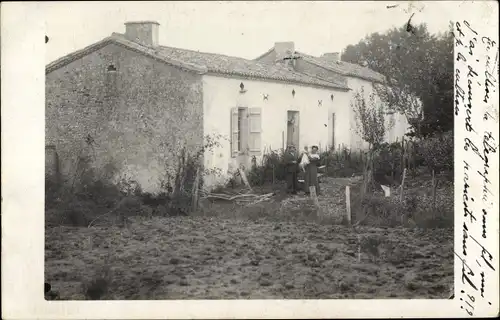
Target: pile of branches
241, 198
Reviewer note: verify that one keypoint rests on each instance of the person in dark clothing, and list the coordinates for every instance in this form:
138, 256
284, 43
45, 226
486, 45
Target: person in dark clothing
291, 170
311, 170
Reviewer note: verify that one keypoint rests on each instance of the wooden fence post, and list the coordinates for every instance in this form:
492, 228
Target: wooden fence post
195, 190
402, 185
348, 204
314, 196
244, 178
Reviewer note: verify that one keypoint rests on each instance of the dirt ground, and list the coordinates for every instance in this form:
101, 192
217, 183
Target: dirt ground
220, 256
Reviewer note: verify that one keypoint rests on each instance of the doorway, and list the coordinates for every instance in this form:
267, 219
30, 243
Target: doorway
292, 135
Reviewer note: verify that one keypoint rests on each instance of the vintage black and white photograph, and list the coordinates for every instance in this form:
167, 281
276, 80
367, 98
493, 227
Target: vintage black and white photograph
249, 159
222, 150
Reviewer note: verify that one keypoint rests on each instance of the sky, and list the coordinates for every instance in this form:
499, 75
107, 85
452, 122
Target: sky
238, 28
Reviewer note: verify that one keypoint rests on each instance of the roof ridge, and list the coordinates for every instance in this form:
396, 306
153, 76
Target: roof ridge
214, 53
87, 48
257, 63
314, 60
342, 62
204, 64
119, 39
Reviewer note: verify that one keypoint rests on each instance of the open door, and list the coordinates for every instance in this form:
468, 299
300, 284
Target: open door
292, 136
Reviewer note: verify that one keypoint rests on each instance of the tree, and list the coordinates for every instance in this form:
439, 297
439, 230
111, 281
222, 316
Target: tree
416, 64
400, 98
370, 118
371, 126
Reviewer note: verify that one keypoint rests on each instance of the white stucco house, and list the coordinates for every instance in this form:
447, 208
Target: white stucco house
329, 67
130, 95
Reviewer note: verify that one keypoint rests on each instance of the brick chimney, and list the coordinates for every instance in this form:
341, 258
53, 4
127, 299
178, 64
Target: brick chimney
284, 49
143, 32
331, 56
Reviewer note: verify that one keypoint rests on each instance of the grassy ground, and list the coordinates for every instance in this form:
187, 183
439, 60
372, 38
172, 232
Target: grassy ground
277, 249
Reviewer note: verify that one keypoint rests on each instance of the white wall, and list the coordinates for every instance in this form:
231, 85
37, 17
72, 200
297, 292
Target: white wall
400, 125
220, 94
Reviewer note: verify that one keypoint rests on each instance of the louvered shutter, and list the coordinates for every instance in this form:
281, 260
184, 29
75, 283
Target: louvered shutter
255, 131
234, 132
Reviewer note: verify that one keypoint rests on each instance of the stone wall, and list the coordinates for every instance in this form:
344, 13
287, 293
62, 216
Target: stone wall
125, 112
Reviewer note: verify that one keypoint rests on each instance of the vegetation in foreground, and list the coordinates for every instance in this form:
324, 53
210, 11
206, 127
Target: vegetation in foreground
268, 250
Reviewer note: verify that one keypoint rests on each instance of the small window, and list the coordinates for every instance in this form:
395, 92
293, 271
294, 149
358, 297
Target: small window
111, 68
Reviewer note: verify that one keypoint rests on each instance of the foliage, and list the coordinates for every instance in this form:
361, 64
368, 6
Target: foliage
182, 161
370, 118
272, 168
437, 152
400, 99
342, 162
415, 210
387, 160
91, 194
414, 62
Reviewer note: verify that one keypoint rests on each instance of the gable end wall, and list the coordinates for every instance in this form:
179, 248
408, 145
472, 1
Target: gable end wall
138, 116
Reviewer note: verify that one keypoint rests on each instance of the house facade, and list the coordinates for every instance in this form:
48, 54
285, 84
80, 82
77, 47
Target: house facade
330, 67
126, 106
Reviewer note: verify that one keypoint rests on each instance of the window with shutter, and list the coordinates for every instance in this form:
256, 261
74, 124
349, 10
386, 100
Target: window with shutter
234, 132
255, 131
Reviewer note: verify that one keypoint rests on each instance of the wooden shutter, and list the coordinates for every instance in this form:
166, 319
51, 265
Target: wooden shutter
234, 132
255, 131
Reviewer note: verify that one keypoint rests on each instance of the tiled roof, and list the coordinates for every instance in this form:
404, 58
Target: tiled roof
341, 67
344, 68
221, 64
203, 63
120, 41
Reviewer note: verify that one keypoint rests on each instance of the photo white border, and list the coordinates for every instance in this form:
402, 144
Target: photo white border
23, 107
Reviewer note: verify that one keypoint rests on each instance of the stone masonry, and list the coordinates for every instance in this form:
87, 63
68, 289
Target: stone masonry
126, 112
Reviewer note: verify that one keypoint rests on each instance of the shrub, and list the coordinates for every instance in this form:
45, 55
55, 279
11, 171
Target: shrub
342, 162
89, 197
415, 210
271, 169
376, 210
437, 152
387, 160
370, 117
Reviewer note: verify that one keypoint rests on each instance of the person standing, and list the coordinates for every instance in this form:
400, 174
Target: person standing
311, 170
291, 169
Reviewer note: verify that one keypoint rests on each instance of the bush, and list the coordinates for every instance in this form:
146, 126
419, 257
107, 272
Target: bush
438, 152
387, 160
271, 169
342, 162
90, 196
415, 211
378, 211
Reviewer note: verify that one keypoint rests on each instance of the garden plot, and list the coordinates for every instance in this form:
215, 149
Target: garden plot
210, 258
258, 252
